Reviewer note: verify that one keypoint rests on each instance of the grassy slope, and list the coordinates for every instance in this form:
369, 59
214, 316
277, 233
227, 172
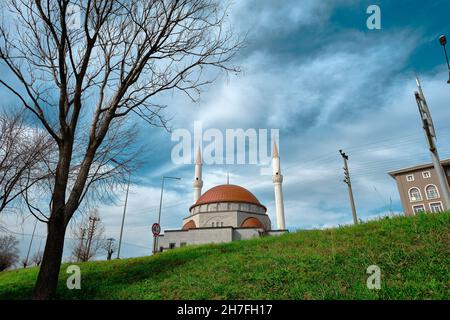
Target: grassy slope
413, 254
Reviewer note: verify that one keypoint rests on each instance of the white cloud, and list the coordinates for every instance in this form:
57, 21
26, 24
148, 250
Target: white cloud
353, 93
265, 17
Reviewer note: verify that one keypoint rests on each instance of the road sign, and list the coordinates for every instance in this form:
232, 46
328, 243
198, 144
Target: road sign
156, 229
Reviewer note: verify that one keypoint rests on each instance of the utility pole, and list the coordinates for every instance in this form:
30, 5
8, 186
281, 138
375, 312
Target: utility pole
81, 248
430, 134
443, 42
29, 247
92, 221
349, 184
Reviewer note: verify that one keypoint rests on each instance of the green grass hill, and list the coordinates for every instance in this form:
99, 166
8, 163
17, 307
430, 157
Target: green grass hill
412, 252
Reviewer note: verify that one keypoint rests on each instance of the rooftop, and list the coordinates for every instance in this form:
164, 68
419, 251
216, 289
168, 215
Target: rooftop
227, 193
417, 167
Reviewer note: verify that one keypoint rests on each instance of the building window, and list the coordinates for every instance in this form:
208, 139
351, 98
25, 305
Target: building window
414, 195
426, 174
419, 208
221, 224
436, 207
212, 224
432, 192
410, 177
182, 244
172, 245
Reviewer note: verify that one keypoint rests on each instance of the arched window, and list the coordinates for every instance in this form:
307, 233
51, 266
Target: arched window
414, 194
432, 192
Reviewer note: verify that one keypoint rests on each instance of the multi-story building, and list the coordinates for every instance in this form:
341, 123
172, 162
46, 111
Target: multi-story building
419, 187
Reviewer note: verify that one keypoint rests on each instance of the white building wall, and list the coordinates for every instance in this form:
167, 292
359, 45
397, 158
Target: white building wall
246, 233
196, 236
209, 235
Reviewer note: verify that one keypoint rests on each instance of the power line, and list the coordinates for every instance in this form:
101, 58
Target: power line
72, 239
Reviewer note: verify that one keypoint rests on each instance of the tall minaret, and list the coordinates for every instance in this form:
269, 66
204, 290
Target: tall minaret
277, 182
198, 182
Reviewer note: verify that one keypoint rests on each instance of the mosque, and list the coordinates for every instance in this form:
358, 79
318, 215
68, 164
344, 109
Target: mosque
226, 213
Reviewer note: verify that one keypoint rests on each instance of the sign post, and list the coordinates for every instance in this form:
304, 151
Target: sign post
156, 230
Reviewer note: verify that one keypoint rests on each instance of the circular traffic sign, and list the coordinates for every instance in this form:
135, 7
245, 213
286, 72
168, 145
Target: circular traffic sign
156, 229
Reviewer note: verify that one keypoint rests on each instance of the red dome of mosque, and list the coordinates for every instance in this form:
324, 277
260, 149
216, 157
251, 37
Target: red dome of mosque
227, 193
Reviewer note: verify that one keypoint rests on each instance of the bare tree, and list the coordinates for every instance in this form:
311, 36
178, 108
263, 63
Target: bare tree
109, 247
24, 262
114, 64
9, 253
37, 258
24, 150
88, 236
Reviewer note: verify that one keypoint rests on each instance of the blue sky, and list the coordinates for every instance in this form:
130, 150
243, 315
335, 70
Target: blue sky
314, 71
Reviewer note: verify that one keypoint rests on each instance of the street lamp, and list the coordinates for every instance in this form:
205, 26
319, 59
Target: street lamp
155, 240
124, 208
443, 42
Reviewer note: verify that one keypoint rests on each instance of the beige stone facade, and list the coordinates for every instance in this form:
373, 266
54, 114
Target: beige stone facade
419, 188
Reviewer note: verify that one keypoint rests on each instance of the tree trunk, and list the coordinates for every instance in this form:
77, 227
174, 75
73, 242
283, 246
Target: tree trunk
47, 281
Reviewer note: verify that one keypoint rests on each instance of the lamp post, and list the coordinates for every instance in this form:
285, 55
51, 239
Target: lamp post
443, 42
31, 242
123, 217
155, 240
124, 208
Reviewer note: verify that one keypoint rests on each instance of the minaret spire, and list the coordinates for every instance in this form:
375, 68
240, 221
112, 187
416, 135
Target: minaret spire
198, 182
277, 179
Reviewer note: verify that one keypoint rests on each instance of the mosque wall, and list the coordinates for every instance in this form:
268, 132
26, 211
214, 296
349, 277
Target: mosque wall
226, 219
180, 238
173, 239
